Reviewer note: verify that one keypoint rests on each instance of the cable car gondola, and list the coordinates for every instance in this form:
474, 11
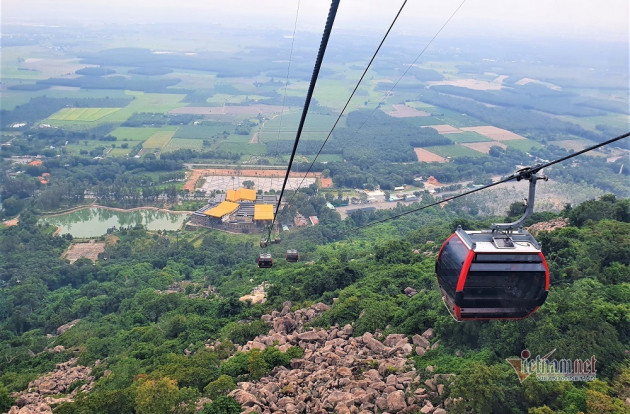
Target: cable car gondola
265, 260
292, 256
493, 274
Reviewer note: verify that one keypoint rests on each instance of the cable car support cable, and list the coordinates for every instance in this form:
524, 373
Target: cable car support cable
386, 94
318, 63
349, 99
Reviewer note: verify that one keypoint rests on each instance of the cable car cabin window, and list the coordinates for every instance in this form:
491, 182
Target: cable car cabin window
514, 283
450, 264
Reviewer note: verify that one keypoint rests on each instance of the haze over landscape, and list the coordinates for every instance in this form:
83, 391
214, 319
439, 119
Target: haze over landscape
148, 265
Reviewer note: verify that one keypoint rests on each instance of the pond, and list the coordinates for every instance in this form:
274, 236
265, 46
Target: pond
94, 221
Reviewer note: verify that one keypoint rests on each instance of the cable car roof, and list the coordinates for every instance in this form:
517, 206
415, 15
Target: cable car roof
497, 242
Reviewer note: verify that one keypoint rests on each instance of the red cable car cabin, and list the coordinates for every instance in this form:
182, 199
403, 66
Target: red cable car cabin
265, 260
292, 256
492, 275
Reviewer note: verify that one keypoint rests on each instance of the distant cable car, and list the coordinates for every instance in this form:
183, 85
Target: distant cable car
265, 260
292, 256
493, 274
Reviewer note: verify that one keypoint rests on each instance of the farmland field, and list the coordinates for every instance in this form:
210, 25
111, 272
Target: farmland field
142, 102
244, 149
428, 156
522, 144
82, 114
467, 136
205, 131
291, 120
118, 152
221, 98
454, 151
184, 143
484, 147
138, 134
492, 132
404, 111
158, 140
268, 135
425, 121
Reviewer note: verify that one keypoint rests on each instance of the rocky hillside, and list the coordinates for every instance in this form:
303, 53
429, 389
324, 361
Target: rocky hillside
340, 373
67, 378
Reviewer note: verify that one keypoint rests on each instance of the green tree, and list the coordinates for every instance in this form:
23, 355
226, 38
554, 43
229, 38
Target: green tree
219, 387
222, 405
162, 396
6, 401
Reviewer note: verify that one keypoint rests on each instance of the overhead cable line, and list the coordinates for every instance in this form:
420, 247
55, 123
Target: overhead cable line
309, 95
349, 99
412, 64
286, 81
519, 175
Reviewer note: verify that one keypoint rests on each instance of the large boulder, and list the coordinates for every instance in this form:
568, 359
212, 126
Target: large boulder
396, 401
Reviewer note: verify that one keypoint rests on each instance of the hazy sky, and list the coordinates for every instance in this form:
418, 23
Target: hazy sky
600, 19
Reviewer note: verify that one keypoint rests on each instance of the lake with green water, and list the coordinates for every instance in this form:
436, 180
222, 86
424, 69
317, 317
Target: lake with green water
94, 221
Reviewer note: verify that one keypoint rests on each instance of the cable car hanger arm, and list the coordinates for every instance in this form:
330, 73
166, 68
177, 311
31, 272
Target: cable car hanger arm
525, 172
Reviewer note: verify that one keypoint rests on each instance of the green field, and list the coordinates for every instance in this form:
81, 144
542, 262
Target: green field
424, 121
138, 134
321, 158
184, 143
467, 136
205, 131
522, 144
453, 151
420, 105
82, 114
159, 139
222, 98
244, 149
455, 119
291, 120
238, 139
142, 102
290, 136
118, 152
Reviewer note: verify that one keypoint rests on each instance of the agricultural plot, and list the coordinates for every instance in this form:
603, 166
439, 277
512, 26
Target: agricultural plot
221, 98
118, 152
524, 145
138, 134
184, 143
243, 148
453, 151
425, 121
227, 110
446, 129
428, 156
484, 147
289, 122
205, 131
404, 111
420, 105
454, 118
238, 139
268, 135
158, 140
82, 114
330, 93
142, 102
309, 158
494, 133
467, 136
